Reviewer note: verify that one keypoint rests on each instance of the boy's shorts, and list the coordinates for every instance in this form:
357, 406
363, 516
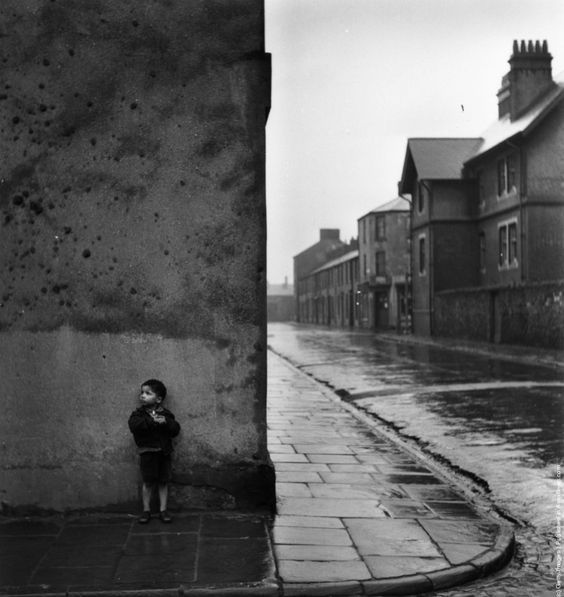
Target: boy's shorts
155, 467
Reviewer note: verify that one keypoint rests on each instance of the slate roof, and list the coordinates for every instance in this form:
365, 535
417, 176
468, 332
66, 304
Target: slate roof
441, 159
436, 158
504, 128
397, 204
444, 158
325, 245
342, 259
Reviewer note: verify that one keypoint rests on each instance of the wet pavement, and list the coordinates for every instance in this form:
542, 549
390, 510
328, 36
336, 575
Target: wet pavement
496, 416
358, 514
371, 515
108, 553
492, 414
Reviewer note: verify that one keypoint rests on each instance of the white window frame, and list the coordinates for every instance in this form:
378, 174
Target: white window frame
505, 263
507, 190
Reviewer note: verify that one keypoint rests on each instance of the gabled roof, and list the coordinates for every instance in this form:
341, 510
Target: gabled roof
397, 204
342, 259
438, 158
503, 129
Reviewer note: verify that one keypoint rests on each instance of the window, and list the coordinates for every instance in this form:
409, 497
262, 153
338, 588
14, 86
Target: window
380, 263
422, 255
420, 197
512, 233
365, 267
502, 246
507, 235
506, 175
511, 174
482, 252
481, 188
380, 227
364, 230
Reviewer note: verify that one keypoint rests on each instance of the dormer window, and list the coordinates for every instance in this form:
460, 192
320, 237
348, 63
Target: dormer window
506, 176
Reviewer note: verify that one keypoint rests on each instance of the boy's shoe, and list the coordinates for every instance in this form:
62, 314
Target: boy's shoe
144, 518
165, 516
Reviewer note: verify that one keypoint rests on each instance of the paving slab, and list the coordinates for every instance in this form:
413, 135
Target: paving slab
313, 522
316, 553
331, 507
390, 537
397, 566
287, 535
312, 571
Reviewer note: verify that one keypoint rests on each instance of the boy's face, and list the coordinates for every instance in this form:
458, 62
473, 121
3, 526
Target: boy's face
148, 397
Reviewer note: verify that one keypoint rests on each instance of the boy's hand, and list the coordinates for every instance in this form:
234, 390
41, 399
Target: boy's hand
159, 419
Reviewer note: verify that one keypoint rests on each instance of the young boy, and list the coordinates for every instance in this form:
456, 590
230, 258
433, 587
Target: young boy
153, 428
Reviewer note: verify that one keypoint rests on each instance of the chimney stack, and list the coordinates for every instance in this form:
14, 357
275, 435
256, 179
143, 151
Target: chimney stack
329, 234
529, 78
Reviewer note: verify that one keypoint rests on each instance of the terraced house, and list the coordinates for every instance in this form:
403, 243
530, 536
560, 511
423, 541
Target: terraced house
384, 270
326, 277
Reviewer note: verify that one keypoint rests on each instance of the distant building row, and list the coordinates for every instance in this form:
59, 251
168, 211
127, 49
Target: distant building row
474, 245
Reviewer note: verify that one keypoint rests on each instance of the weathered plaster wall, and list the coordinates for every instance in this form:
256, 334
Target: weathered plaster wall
132, 246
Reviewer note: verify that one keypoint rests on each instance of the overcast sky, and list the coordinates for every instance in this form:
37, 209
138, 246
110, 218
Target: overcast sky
352, 80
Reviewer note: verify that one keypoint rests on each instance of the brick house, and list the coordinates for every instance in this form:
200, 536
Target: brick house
310, 259
331, 291
488, 216
443, 238
519, 172
384, 266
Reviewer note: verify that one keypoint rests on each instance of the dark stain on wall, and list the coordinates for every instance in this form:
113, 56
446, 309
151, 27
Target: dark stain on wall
130, 164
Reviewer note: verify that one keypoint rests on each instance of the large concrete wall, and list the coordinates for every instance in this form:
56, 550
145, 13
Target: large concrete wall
133, 246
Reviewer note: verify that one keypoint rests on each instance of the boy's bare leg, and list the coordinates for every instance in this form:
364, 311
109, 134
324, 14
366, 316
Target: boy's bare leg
146, 492
163, 496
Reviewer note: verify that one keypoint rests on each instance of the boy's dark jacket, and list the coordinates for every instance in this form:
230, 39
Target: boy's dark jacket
148, 434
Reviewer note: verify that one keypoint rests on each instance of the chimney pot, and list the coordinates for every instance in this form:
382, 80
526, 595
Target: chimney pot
529, 78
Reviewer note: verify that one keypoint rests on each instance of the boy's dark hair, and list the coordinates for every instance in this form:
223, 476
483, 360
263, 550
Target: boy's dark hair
157, 386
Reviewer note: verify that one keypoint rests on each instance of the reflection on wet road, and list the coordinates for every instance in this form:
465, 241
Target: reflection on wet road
498, 419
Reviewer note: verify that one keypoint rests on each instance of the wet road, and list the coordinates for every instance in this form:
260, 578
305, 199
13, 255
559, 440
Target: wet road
499, 422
